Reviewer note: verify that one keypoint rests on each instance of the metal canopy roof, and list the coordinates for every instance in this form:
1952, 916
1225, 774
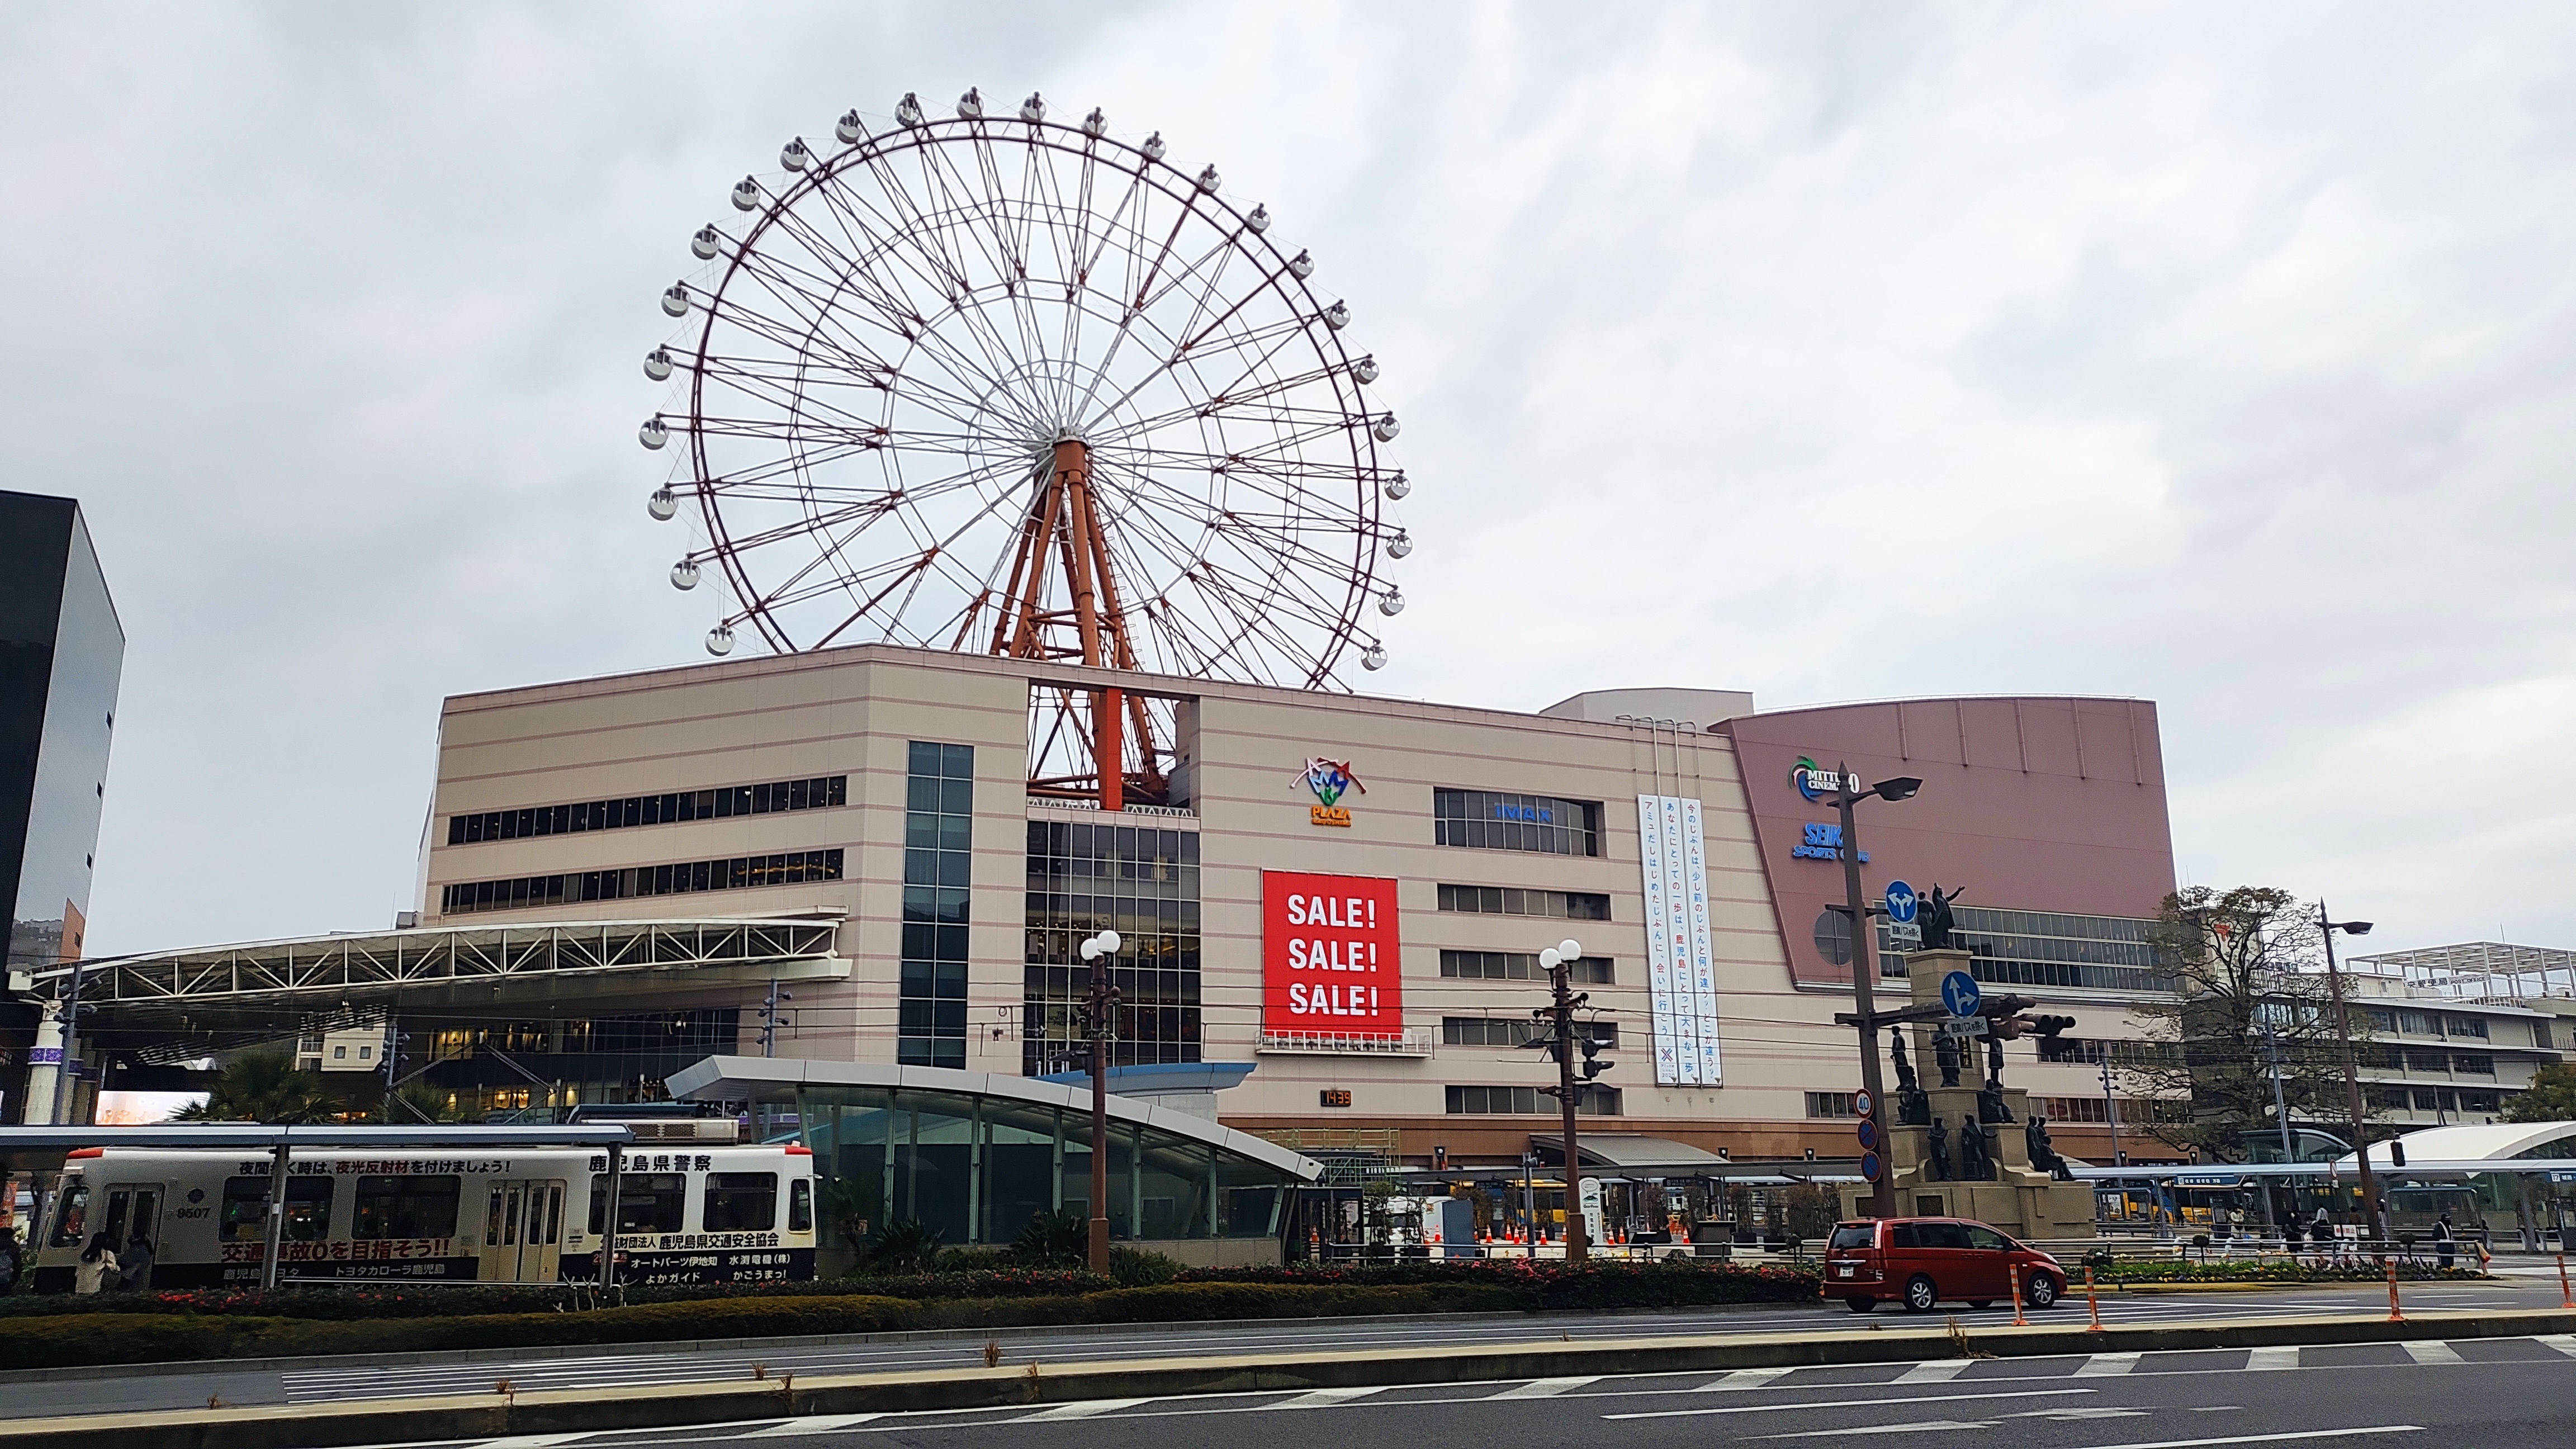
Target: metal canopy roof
482, 964
44, 1148
777, 1079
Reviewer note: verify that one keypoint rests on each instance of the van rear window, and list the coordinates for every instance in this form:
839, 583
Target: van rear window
1854, 1235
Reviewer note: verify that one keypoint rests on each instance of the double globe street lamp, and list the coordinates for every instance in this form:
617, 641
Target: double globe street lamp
1104, 1005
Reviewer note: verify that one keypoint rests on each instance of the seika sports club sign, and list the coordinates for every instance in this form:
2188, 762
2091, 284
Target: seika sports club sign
1332, 958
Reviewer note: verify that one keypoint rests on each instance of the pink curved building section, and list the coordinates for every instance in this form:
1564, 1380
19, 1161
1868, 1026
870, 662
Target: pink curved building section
2033, 804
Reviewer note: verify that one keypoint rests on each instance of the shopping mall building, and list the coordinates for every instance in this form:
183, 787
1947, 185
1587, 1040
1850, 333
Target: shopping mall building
1347, 894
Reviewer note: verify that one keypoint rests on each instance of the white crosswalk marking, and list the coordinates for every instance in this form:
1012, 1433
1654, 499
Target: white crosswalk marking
533, 1441
2102, 1365
1082, 1410
1938, 1371
1544, 1388
2563, 1342
2273, 1358
1322, 1398
2432, 1350
1744, 1379
812, 1424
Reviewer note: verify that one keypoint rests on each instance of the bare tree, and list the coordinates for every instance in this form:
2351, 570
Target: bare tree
2248, 979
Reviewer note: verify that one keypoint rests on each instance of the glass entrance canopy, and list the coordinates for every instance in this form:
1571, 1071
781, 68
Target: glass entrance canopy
976, 1155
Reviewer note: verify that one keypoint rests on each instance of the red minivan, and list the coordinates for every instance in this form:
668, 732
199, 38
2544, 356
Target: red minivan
1920, 1262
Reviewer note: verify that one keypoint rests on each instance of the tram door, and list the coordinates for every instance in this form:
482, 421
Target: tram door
522, 1231
131, 1208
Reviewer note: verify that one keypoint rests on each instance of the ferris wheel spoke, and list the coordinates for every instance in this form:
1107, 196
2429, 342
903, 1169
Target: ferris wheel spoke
1275, 338
807, 289
790, 391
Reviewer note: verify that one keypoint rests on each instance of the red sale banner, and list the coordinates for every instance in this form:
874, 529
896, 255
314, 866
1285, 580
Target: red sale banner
1331, 957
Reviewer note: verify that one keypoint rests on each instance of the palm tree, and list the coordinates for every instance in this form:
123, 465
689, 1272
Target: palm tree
264, 1087
415, 1103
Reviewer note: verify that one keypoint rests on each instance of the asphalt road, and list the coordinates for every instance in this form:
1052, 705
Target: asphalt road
2494, 1394
646, 1364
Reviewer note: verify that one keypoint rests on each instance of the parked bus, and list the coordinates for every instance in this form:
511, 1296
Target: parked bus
688, 1212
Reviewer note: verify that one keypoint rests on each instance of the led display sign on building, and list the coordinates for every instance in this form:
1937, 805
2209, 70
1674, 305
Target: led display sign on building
1331, 956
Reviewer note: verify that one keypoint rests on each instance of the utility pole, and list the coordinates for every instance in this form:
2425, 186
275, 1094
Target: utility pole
2280, 1106
1104, 1007
770, 1016
2351, 1073
1562, 1043
1882, 1193
2111, 1111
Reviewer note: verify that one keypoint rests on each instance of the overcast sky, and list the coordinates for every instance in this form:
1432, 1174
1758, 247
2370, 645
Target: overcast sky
2222, 355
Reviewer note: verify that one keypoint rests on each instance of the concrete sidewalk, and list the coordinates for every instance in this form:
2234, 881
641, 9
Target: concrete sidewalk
498, 1414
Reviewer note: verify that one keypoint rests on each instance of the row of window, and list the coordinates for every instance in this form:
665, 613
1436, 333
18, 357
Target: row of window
938, 838
2437, 1099
763, 799
1515, 1031
1831, 1104
1520, 966
742, 872
2132, 1109
1494, 820
1591, 1100
1513, 901
2390, 1022
2475, 1064
426, 1207
736, 1202
1141, 881
2119, 1052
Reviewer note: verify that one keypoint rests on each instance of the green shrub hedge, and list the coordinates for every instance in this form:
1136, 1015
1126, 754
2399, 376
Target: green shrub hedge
296, 1323
2175, 1271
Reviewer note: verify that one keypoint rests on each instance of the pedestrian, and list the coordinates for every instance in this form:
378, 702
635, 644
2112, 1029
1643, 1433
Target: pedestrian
9, 1263
134, 1265
96, 1270
2444, 1240
2320, 1232
2290, 1235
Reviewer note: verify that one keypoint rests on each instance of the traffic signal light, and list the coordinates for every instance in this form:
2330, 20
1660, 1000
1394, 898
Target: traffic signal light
2051, 1025
1593, 1066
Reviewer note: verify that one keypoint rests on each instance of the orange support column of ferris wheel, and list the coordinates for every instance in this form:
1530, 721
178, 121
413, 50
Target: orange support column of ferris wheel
1064, 521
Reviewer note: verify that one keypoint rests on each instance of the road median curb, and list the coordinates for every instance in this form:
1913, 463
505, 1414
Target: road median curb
497, 1414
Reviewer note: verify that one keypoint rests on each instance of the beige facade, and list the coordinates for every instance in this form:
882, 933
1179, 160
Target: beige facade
855, 712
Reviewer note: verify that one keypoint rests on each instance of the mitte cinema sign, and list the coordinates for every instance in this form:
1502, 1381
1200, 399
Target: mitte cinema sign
1332, 959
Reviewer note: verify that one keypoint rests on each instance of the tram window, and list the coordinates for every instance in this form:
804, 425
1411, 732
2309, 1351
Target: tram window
647, 1202
406, 1207
308, 1209
741, 1202
800, 1205
74, 1217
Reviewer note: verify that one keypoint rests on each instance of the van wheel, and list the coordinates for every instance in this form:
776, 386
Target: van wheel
1920, 1295
1860, 1305
2041, 1290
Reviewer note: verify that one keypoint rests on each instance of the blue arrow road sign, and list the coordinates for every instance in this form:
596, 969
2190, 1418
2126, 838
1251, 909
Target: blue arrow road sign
1900, 902
1959, 993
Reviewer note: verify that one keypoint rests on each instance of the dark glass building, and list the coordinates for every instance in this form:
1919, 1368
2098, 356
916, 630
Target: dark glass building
61, 653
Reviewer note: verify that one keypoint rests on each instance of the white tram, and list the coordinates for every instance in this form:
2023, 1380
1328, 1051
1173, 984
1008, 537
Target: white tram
688, 1212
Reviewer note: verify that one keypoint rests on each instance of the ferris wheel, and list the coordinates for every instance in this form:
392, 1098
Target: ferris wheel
1003, 384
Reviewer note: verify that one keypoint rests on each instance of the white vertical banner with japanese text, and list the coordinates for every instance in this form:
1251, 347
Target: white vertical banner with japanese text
1680, 962
1659, 956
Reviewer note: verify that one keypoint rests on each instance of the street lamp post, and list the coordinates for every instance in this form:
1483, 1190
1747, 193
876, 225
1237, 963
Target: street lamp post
1882, 1192
1104, 1004
2351, 1073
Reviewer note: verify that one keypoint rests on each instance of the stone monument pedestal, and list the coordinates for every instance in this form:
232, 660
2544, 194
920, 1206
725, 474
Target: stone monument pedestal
2019, 1199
